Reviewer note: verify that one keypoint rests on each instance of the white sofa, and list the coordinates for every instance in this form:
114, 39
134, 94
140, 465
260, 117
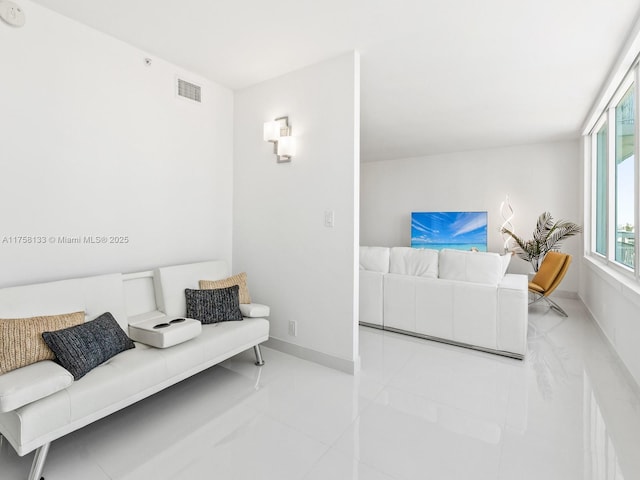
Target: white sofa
41, 402
458, 297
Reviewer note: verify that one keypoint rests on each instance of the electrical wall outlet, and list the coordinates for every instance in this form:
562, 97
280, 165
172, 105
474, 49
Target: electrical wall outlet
11, 13
329, 219
293, 328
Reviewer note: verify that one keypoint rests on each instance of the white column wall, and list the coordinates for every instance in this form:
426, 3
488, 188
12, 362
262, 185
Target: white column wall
304, 270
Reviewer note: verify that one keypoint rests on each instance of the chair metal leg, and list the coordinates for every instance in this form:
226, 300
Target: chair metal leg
536, 297
557, 308
552, 305
258, 353
38, 462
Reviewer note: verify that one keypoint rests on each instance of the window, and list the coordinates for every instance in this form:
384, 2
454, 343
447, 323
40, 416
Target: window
601, 192
625, 178
615, 179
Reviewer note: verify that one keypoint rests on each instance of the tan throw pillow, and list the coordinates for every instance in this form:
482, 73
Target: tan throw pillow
240, 279
21, 338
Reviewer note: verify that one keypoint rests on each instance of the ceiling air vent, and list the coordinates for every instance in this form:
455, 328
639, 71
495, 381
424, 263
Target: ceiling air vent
189, 90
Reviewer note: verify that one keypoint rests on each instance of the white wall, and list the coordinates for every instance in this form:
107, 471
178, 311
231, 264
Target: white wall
616, 308
305, 271
96, 143
612, 298
537, 178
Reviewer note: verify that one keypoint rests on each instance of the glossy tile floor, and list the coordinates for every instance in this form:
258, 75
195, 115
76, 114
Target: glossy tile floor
417, 410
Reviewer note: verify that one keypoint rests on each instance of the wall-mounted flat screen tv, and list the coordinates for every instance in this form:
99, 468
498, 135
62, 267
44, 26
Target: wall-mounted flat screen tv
459, 230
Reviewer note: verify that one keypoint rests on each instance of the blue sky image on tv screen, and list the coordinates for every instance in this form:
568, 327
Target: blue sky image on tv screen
459, 230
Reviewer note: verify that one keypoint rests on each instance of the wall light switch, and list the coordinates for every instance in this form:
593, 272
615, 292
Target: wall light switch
329, 219
293, 328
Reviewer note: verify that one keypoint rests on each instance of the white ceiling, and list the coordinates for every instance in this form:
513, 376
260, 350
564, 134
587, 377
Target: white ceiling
437, 75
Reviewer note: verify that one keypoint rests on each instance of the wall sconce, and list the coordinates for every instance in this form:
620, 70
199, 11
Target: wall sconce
279, 133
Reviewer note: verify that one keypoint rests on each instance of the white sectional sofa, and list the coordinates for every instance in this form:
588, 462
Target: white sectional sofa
458, 297
41, 402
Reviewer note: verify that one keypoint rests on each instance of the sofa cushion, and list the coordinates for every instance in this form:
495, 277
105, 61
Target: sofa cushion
370, 302
419, 262
254, 310
240, 279
81, 348
31, 383
375, 259
22, 342
467, 266
213, 306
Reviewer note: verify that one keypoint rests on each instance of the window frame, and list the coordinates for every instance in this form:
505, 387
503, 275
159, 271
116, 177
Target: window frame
602, 121
608, 117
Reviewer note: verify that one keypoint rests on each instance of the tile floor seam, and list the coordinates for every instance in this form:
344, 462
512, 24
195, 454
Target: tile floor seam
294, 427
314, 465
369, 405
99, 465
438, 403
398, 336
502, 433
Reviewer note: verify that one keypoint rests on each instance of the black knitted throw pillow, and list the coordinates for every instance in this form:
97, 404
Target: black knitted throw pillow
83, 347
213, 306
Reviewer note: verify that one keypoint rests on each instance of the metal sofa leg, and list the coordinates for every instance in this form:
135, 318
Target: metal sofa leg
38, 462
258, 353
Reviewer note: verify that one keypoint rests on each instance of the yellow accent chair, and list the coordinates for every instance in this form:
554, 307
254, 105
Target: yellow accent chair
549, 275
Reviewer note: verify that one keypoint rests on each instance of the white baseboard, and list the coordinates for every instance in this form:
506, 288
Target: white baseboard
347, 366
612, 348
566, 294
